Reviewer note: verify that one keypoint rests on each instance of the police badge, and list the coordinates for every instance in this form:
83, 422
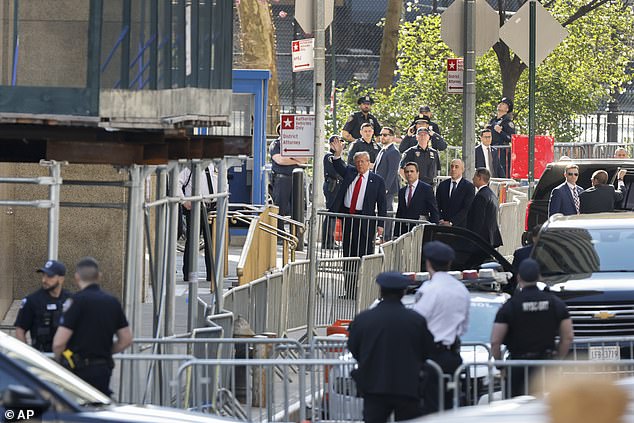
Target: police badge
418, 154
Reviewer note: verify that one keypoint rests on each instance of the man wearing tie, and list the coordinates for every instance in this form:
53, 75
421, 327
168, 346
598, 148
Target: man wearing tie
361, 193
416, 199
483, 213
454, 196
564, 198
386, 166
488, 156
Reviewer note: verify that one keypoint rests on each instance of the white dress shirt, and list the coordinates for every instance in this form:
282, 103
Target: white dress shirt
444, 303
451, 188
348, 198
185, 181
485, 151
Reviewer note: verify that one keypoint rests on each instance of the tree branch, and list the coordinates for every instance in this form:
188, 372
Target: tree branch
584, 10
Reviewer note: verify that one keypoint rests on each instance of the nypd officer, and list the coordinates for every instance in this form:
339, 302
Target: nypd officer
84, 340
282, 179
502, 128
365, 143
40, 311
391, 344
332, 183
424, 156
528, 324
352, 129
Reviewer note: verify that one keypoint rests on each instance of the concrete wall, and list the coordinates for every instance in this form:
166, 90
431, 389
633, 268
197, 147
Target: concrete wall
100, 233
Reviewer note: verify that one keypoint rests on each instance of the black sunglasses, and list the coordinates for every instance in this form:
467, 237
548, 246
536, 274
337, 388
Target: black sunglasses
385, 135
571, 174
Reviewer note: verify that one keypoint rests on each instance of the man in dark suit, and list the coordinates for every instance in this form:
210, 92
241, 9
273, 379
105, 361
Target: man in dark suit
488, 156
332, 183
386, 166
602, 196
564, 198
483, 213
416, 199
361, 193
454, 196
391, 345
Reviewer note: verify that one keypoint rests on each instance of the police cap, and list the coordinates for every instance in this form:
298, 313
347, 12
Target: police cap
53, 268
333, 138
424, 119
438, 252
365, 99
422, 129
424, 109
393, 280
508, 102
529, 270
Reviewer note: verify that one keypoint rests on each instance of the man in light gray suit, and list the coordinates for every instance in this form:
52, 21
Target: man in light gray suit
386, 166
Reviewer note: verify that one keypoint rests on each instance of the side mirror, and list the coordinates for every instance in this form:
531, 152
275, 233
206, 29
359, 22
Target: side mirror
21, 397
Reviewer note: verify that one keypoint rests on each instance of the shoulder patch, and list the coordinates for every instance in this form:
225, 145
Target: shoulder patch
23, 303
67, 304
351, 118
511, 125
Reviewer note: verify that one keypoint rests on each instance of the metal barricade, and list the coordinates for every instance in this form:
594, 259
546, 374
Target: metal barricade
368, 290
574, 150
527, 376
274, 303
603, 347
296, 280
387, 248
330, 301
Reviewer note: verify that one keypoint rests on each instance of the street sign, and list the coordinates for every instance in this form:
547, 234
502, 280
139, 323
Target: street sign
455, 73
304, 14
297, 135
549, 33
303, 54
487, 27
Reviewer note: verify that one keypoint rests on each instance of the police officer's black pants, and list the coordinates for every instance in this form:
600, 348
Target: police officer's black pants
186, 267
358, 240
377, 408
520, 379
282, 195
98, 375
449, 361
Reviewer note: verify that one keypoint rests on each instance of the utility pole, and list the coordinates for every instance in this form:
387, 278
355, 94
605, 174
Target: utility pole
469, 93
319, 93
531, 96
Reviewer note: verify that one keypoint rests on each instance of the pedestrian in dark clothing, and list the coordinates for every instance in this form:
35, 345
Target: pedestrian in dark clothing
425, 112
391, 344
601, 197
502, 129
352, 129
483, 213
415, 200
519, 255
565, 198
487, 156
40, 311
365, 143
454, 196
84, 340
437, 141
427, 158
332, 183
528, 325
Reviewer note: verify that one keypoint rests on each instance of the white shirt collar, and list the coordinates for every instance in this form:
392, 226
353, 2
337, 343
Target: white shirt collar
387, 146
571, 186
457, 181
414, 185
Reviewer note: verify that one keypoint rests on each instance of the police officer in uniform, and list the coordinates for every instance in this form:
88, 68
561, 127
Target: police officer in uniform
424, 156
391, 344
528, 324
282, 178
84, 340
332, 183
40, 311
425, 112
365, 143
352, 129
502, 127
437, 141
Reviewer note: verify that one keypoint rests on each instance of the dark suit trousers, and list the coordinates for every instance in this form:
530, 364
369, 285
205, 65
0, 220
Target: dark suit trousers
186, 266
377, 408
449, 361
358, 240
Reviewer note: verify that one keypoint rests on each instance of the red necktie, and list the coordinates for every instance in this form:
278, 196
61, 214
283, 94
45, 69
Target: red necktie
409, 196
355, 194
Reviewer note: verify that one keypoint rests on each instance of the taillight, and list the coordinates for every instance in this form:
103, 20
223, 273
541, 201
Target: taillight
528, 208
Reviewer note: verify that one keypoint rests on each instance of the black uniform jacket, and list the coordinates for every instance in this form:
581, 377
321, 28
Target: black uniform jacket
598, 199
390, 344
483, 217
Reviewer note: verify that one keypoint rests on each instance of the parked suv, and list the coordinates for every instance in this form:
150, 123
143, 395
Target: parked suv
537, 207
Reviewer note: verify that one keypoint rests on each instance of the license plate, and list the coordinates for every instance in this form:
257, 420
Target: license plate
605, 353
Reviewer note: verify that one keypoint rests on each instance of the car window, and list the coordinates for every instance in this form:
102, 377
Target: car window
481, 318
46, 370
573, 251
6, 379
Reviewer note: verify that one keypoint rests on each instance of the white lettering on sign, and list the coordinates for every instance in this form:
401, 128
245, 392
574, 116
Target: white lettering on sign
303, 54
455, 68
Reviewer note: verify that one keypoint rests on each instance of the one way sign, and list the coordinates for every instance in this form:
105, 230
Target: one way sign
297, 133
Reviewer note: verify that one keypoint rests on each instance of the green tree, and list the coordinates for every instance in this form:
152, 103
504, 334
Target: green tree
586, 69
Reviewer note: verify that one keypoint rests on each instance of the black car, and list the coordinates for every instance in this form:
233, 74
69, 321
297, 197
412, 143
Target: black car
35, 388
537, 207
587, 261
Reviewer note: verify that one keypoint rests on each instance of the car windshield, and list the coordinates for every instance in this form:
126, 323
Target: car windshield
563, 251
46, 370
481, 318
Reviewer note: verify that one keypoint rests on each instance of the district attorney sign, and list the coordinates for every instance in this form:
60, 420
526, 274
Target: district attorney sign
297, 133
303, 54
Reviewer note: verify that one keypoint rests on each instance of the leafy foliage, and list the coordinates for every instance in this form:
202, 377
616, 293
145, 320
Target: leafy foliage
576, 78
